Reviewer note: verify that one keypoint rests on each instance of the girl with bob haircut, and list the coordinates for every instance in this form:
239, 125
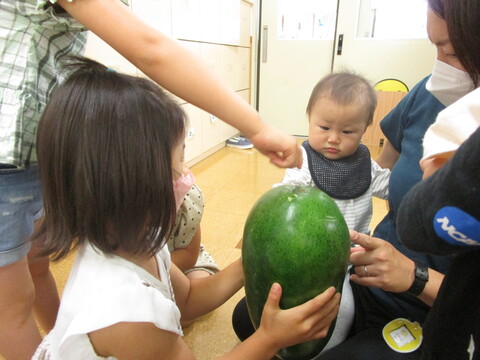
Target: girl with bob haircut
107, 144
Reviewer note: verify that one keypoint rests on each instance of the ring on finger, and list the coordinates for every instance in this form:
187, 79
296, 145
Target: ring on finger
366, 271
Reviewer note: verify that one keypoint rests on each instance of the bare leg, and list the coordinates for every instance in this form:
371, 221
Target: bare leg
47, 300
19, 335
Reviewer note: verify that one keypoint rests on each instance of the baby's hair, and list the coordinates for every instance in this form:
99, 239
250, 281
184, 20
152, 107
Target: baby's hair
345, 88
104, 147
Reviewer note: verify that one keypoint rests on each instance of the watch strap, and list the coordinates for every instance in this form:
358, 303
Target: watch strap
419, 281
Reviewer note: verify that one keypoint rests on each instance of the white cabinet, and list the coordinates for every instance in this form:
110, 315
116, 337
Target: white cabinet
245, 23
216, 30
156, 13
210, 21
186, 19
193, 139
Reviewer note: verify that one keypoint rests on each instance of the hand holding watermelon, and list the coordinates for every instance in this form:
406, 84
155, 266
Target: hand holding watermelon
302, 323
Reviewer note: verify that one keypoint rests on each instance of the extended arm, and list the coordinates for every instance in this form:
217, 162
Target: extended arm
178, 70
279, 328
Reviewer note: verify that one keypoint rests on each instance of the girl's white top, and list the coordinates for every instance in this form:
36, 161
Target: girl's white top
103, 290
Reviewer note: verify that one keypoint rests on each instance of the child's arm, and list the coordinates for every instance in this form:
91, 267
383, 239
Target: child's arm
196, 297
278, 329
186, 258
380, 180
178, 70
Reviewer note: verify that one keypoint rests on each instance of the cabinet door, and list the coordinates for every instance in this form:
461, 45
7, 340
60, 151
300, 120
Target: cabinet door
210, 21
212, 131
186, 19
157, 13
386, 101
211, 54
193, 136
229, 65
243, 66
230, 22
245, 23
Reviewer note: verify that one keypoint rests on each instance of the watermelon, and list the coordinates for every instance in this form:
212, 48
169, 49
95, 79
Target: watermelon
296, 236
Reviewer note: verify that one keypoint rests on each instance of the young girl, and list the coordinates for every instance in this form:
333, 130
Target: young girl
184, 243
106, 145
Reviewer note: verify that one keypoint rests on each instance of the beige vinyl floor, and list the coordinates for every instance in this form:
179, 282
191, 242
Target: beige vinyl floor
231, 181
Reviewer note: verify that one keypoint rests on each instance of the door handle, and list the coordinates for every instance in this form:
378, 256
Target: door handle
264, 43
340, 44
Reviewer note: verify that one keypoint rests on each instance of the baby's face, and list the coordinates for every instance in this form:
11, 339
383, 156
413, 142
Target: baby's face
335, 131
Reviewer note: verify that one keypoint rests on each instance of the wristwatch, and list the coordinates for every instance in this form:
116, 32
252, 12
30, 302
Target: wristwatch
420, 280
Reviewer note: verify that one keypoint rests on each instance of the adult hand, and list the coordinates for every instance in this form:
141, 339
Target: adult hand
282, 149
305, 322
377, 263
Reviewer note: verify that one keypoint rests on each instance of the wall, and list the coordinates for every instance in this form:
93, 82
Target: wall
219, 31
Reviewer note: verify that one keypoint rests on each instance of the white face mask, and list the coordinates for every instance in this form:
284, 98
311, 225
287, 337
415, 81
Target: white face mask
448, 84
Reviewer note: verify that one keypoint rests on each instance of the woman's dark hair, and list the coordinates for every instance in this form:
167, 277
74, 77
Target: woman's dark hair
345, 88
463, 24
104, 147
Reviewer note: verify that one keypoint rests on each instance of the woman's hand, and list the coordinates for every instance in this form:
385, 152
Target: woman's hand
282, 149
305, 322
377, 263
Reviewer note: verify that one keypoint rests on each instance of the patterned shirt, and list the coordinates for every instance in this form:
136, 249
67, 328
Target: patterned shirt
36, 37
35, 41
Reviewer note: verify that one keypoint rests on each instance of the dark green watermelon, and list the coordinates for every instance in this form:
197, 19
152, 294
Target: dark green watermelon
296, 236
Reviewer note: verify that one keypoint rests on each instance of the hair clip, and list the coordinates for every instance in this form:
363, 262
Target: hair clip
111, 70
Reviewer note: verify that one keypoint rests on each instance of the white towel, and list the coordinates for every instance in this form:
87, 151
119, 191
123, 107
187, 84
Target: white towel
453, 126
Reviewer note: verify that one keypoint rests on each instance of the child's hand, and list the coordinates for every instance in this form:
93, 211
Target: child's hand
305, 322
282, 149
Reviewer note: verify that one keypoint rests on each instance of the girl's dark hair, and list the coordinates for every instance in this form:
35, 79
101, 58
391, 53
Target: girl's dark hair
463, 24
345, 88
104, 147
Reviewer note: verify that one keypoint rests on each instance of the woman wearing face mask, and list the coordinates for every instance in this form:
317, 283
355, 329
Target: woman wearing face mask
391, 282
